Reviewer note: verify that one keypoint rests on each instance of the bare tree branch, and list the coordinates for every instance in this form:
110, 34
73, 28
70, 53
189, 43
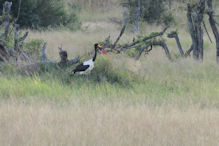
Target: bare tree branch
145, 39
164, 45
141, 51
120, 35
207, 32
24, 37
189, 51
175, 35
16, 28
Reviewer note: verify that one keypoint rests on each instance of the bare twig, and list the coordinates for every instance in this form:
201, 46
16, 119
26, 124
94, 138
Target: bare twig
207, 31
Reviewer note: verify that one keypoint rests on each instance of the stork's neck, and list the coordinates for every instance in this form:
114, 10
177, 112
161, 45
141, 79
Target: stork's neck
95, 55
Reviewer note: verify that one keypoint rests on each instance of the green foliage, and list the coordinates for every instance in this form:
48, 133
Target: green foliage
152, 11
44, 13
132, 52
104, 71
33, 48
168, 18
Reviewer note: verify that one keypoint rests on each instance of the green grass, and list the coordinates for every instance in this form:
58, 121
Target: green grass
182, 82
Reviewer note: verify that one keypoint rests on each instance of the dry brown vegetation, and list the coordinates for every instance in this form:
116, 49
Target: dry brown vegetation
46, 124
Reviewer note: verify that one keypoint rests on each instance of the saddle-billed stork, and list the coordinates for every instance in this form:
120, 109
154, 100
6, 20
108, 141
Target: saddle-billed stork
87, 66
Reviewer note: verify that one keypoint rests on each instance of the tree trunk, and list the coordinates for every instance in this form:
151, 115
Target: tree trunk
213, 27
195, 16
200, 11
192, 31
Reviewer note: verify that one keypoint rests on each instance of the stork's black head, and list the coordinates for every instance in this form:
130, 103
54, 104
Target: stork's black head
96, 46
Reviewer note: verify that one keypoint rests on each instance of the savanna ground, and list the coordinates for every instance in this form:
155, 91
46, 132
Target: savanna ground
122, 102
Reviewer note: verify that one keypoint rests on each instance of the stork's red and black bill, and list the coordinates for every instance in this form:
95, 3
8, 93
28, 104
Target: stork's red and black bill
102, 50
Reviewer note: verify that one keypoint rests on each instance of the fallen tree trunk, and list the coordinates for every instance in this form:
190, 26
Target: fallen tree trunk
34, 68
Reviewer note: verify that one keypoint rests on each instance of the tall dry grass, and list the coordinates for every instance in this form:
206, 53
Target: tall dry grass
45, 124
95, 4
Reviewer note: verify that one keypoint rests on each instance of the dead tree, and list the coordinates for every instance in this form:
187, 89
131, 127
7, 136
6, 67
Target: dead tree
64, 62
195, 14
6, 18
213, 27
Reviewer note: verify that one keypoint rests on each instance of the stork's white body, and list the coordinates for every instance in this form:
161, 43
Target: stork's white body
91, 66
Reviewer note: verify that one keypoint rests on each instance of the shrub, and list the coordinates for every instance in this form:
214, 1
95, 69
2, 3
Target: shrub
43, 13
152, 11
33, 48
105, 71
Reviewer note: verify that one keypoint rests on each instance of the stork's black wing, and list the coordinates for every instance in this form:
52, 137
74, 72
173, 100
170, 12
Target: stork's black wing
80, 68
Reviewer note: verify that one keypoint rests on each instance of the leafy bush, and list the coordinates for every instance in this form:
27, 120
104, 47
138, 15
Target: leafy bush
152, 11
105, 71
33, 48
43, 13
